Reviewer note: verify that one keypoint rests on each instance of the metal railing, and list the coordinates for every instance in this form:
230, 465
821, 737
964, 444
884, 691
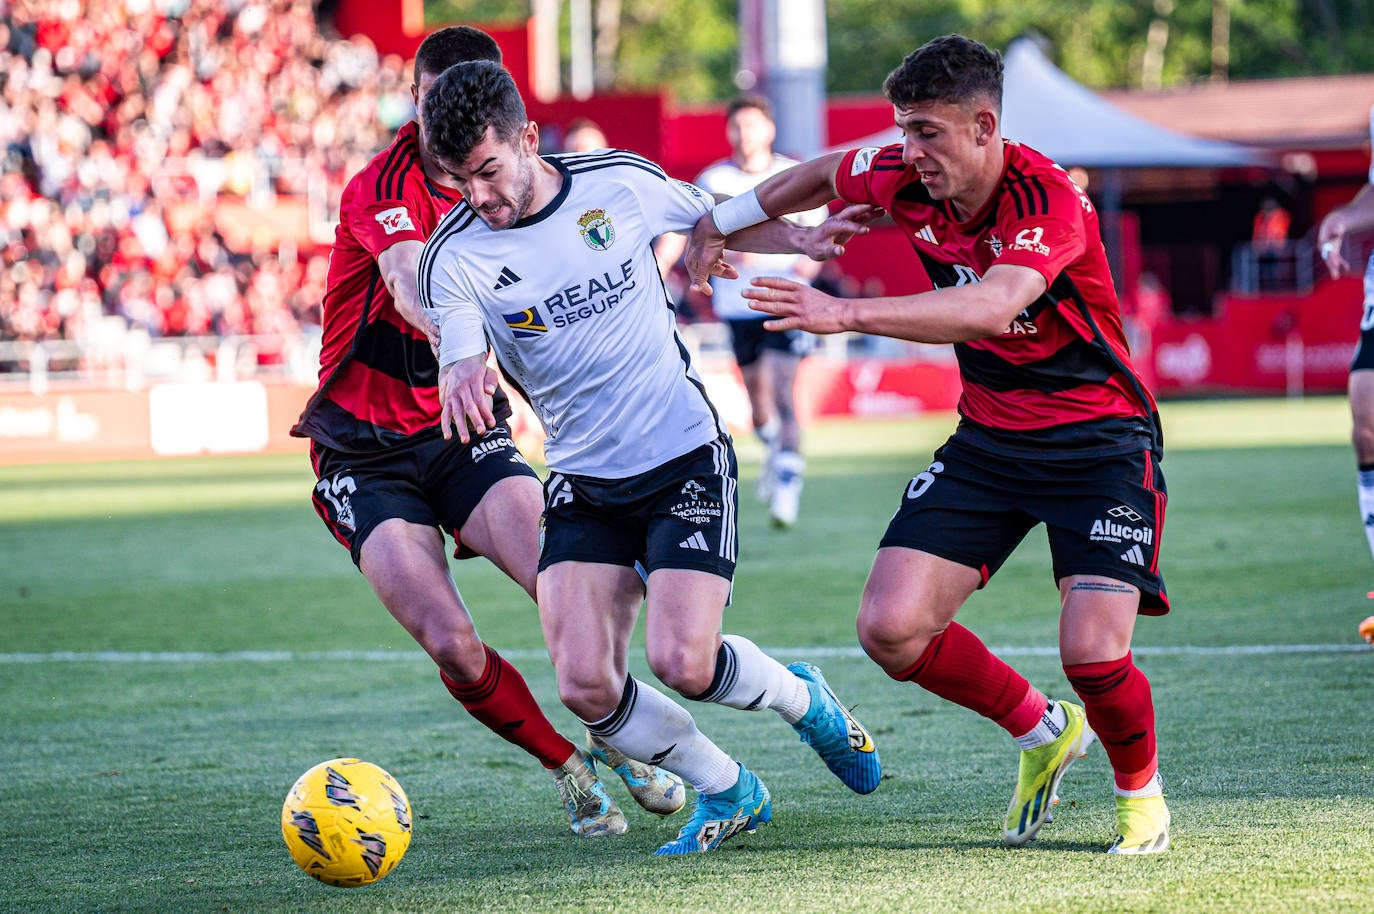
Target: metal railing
134, 360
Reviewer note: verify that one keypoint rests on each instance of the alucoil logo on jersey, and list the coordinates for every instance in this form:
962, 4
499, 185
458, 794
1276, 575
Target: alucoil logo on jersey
596, 229
696, 509
1029, 240
526, 325
1119, 527
862, 160
396, 219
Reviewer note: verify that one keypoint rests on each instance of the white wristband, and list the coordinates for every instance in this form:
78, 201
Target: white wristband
738, 213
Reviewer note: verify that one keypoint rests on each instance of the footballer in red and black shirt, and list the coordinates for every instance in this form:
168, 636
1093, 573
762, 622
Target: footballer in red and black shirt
1056, 427
1063, 359
391, 482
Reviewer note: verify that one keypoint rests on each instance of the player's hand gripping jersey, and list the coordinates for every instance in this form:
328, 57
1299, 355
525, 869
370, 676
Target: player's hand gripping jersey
1062, 361
576, 312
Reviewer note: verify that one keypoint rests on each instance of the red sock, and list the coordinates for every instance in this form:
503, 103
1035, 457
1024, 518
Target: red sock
1120, 709
501, 700
958, 667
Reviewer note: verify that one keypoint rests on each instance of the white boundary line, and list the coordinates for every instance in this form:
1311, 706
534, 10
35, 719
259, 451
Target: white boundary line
529, 654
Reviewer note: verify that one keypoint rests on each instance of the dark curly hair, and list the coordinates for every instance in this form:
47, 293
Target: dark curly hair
465, 100
951, 69
453, 44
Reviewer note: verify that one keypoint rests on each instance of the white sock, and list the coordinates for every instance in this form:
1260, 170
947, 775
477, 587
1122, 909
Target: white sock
1052, 724
1153, 789
1366, 492
768, 433
749, 679
651, 727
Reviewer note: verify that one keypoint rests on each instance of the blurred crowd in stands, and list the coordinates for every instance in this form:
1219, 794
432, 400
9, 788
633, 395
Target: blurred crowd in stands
124, 123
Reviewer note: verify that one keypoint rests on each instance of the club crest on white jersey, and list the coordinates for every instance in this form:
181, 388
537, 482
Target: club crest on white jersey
596, 229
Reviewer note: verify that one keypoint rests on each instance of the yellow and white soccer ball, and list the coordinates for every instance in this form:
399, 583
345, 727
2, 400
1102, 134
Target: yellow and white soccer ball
346, 822
1367, 630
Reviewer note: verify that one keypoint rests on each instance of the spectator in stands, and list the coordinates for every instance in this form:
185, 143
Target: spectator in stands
1269, 236
117, 120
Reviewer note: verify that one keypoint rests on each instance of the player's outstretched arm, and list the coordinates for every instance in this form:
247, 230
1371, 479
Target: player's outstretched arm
465, 395
1355, 216
799, 188
974, 311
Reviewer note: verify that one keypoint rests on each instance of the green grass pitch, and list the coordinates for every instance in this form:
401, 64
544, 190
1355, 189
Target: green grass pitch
180, 639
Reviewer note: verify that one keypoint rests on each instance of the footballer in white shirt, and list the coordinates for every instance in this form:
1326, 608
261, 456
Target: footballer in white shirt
549, 262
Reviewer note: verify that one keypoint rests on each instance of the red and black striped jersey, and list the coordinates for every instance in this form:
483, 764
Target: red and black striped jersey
1064, 360
378, 376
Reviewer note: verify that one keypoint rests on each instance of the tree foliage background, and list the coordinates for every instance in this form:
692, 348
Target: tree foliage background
689, 46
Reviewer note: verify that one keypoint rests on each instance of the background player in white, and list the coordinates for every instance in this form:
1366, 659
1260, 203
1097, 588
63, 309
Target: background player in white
1355, 217
551, 258
768, 359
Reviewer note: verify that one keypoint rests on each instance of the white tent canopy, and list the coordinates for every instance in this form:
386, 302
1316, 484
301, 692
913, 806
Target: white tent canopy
1046, 110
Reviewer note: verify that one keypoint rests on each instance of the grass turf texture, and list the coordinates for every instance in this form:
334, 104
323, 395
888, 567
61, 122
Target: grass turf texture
174, 656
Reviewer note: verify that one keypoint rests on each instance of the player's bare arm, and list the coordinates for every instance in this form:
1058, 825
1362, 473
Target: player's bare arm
974, 311
398, 265
465, 395
818, 242
799, 188
1355, 216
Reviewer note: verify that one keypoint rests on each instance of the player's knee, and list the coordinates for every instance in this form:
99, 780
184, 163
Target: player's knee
459, 653
893, 640
589, 697
683, 671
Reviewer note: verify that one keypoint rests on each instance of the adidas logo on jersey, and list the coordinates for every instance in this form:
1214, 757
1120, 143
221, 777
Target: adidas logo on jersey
926, 235
695, 541
1134, 556
506, 279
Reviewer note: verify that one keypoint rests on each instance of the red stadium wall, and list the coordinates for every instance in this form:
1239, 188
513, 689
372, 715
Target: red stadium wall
1270, 345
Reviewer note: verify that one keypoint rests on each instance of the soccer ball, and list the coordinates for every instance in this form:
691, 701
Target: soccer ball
1367, 630
346, 822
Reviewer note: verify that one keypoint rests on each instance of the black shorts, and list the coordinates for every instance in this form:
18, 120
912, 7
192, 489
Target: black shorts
433, 482
682, 514
750, 338
1364, 350
1104, 515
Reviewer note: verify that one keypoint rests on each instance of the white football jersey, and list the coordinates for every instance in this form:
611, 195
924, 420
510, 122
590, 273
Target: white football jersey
728, 179
572, 303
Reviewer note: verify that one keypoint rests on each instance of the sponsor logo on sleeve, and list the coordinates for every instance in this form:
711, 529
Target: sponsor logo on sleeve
863, 159
396, 219
1029, 240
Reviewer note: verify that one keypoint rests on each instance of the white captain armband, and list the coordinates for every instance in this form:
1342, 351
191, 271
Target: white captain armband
738, 213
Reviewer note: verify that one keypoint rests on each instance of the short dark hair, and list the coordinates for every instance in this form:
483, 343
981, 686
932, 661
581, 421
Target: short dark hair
465, 100
950, 69
748, 100
453, 44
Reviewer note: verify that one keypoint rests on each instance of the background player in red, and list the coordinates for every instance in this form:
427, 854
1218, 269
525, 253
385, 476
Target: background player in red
389, 482
1055, 426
